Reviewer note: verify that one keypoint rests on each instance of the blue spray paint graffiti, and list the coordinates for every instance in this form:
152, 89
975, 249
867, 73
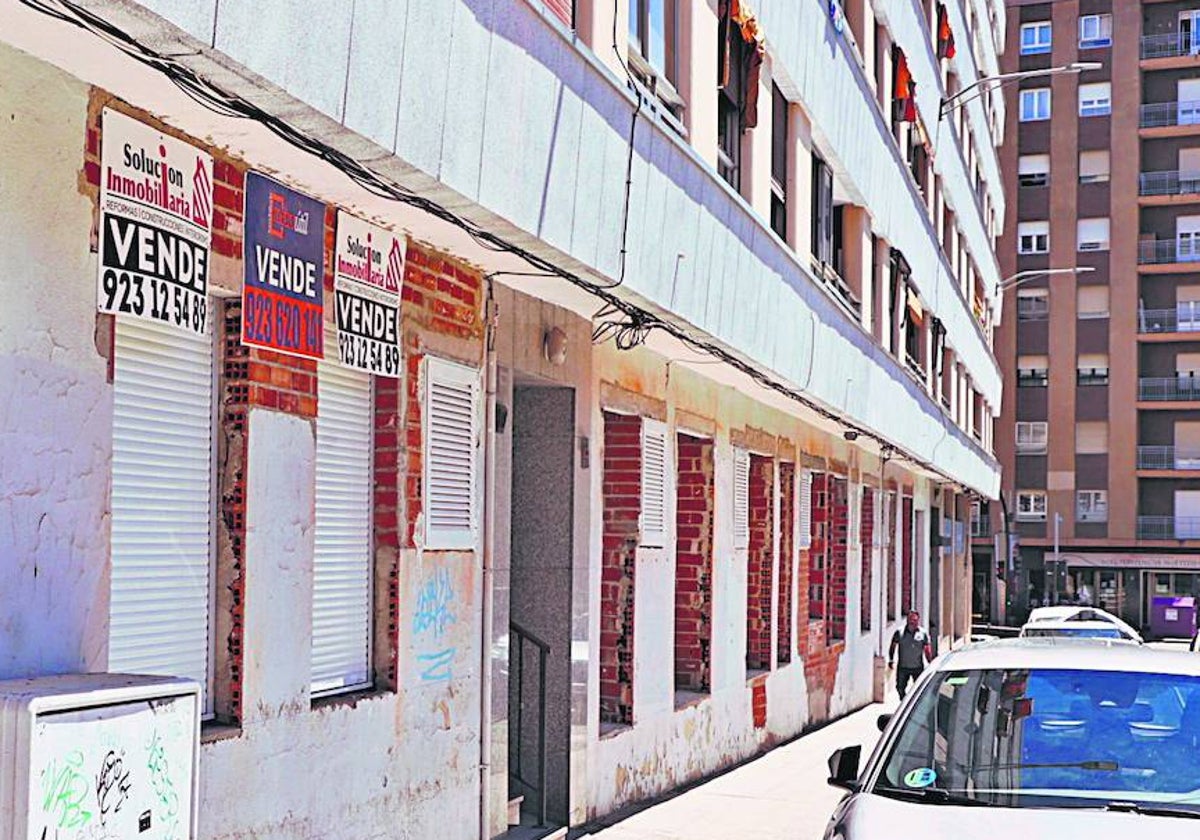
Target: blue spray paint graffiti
433, 617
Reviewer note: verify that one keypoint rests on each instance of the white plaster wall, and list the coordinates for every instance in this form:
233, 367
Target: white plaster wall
55, 403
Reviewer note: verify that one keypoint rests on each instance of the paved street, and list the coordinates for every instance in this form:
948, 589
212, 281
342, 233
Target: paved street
781, 795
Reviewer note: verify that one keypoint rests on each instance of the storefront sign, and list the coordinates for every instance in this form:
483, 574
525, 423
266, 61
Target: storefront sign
155, 225
368, 273
1118, 560
283, 296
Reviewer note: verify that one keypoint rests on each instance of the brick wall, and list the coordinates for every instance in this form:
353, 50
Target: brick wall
890, 553
866, 533
760, 558
818, 554
234, 406
839, 532
906, 557
622, 502
693, 564
787, 544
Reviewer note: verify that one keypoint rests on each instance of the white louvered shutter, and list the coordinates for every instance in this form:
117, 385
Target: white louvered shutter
804, 537
450, 455
162, 504
741, 498
341, 616
655, 483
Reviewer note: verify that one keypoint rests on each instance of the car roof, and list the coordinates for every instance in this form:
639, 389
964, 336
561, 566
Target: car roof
1060, 652
1048, 613
1052, 623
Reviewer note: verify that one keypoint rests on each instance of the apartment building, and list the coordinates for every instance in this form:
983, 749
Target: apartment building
503, 411
1101, 433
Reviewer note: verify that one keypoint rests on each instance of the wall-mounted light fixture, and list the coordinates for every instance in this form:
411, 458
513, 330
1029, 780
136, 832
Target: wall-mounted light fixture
554, 346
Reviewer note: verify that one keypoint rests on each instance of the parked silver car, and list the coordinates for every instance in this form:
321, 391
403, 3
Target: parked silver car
1032, 738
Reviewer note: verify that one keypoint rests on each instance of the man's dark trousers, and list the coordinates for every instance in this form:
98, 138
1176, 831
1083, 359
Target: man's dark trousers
904, 676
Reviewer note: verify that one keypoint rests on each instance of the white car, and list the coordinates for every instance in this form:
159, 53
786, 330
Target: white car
1033, 738
1060, 616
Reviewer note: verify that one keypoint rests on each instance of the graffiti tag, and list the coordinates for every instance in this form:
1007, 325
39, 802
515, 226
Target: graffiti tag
437, 667
433, 617
64, 788
163, 786
112, 784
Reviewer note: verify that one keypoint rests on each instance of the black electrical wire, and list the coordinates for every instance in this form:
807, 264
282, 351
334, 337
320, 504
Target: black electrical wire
627, 332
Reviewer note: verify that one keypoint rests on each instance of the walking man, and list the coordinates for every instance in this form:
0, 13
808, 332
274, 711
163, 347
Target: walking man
915, 651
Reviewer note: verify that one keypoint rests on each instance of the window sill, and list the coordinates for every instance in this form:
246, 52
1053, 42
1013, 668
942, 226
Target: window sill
215, 730
612, 730
349, 698
689, 699
755, 676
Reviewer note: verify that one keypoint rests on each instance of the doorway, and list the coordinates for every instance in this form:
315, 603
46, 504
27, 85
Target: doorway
541, 544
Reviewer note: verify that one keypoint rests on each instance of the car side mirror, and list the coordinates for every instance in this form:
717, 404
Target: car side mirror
843, 767
882, 721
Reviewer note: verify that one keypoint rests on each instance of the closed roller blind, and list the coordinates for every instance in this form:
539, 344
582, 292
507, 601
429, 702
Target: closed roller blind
450, 433
161, 503
1091, 438
341, 619
804, 537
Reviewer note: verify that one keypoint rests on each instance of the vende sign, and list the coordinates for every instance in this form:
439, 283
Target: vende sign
155, 225
368, 272
283, 298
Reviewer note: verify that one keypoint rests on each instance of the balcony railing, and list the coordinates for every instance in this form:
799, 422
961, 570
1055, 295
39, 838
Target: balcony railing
1168, 527
1033, 378
833, 281
1184, 318
1168, 458
1157, 251
1169, 182
1169, 45
1161, 114
1183, 388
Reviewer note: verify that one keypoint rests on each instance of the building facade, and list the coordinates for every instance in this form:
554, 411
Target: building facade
1100, 431
501, 424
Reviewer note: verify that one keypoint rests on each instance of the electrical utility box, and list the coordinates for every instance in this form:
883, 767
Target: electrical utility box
99, 757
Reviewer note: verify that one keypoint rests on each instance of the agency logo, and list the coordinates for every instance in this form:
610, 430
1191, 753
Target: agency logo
280, 219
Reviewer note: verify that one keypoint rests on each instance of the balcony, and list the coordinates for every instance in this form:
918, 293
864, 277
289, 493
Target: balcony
1168, 527
832, 278
1160, 115
1169, 45
1168, 251
1171, 458
1168, 184
1182, 388
1184, 318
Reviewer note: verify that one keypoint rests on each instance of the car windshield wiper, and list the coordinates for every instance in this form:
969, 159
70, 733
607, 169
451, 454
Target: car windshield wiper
1152, 810
937, 796
1110, 766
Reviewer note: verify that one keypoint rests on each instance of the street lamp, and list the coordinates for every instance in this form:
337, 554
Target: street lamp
1022, 277
959, 99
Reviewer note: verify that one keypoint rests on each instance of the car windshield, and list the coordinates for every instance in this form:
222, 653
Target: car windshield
1040, 738
1084, 632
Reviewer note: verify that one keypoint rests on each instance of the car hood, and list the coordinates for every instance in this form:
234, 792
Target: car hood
868, 816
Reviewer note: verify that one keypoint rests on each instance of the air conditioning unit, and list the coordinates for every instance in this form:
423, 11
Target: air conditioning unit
99, 755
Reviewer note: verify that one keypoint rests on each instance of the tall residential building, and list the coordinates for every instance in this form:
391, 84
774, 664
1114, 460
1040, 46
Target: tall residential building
1100, 431
502, 409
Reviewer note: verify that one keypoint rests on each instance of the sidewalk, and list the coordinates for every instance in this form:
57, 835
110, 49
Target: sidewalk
780, 796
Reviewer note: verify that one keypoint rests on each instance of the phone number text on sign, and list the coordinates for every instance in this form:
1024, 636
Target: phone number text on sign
152, 273
281, 323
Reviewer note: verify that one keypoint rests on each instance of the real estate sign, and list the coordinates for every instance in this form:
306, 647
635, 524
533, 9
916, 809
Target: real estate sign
368, 272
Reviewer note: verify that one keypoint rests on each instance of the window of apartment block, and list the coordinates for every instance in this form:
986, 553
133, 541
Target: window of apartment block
451, 426
914, 331
1187, 238
1091, 437
733, 63
1091, 505
822, 211
1092, 369
780, 147
1033, 304
1093, 166
1091, 302
1095, 99
342, 550
655, 484
1033, 170
653, 50
741, 498
1092, 234
1033, 237
1033, 371
1032, 437
161, 596
1095, 31
1035, 37
1031, 506
1035, 104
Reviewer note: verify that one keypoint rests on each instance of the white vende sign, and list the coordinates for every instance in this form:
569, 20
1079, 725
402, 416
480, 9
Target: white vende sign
368, 274
156, 200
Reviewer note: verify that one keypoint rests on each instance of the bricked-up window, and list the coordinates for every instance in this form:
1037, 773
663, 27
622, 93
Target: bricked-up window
693, 564
787, 562
906, 556
451, 420
342, 567
621, 514
819, 552
160, 603
655, 484
889, 551
839, 538
866, 536
760, 564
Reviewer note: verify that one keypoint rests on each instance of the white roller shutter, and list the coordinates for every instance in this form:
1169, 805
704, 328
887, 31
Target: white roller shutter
804, 537
341, 618
162, 504
741, 498
655, 484
451, 423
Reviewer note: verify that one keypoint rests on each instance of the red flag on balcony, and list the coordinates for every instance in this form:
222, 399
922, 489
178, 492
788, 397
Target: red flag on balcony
945, 37
904, 90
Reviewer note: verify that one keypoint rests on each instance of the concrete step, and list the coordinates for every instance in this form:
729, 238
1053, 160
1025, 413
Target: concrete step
529, 832
514, 810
